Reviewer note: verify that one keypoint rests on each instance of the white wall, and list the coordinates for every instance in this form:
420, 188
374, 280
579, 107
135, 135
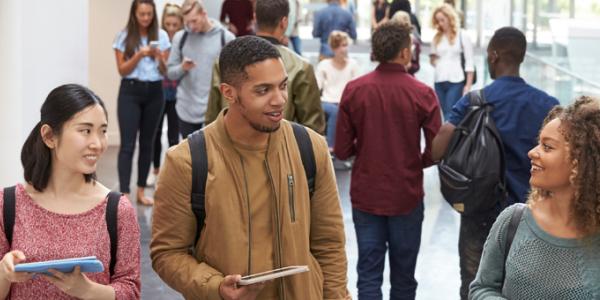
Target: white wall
10, 92
44, 44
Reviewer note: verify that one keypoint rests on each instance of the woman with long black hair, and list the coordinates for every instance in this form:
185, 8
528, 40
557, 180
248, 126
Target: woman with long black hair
61, 210
141, 50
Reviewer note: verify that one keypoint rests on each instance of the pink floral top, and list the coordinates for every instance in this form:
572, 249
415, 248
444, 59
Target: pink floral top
45, 235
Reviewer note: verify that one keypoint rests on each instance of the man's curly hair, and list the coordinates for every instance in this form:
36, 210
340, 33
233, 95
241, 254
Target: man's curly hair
388, 39
580, 126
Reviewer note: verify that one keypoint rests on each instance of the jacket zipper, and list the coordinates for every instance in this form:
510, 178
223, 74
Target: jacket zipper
249, 217
277, 229
291, 196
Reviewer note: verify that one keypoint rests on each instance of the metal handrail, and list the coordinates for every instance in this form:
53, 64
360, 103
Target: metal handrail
563, 69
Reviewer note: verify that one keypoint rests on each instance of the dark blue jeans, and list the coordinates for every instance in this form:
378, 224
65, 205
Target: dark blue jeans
448, 94
375, 234
139, 109
186, 128
296, 44
331, 112
172, 131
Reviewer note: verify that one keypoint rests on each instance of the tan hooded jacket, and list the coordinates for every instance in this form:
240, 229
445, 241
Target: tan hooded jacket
310, 231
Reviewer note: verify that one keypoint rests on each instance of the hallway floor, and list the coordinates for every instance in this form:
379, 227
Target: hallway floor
437, 266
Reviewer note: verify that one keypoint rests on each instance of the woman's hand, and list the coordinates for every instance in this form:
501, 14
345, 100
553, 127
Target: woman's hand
74, 284
433, 59
146, 51
466, 89
7, 267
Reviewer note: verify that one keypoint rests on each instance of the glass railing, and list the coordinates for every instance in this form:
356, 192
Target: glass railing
555, 80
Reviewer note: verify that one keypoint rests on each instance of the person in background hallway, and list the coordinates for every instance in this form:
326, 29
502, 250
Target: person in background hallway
380, 120
172, 21
238, 16
194, 52
519, 110
404, 18
333, 17
555, 253
259, 212
292, 31
447, 46
459, 13
404, 5
380, 13
140, 49
60, 210
304, 105
332, 76
350, 6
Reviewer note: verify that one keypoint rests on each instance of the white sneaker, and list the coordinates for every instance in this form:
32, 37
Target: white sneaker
151, 180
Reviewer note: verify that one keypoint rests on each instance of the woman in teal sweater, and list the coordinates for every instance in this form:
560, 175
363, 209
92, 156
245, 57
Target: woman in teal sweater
555, 253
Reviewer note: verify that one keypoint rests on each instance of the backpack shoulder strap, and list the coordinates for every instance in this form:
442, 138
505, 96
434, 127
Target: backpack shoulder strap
307, 154
197, 144
476, 98
182, 42
223, 37
112, 207
513, 225
9, 212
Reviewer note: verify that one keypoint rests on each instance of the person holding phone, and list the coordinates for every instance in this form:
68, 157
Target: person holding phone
452, 80
140, 50
190, 62
60, 209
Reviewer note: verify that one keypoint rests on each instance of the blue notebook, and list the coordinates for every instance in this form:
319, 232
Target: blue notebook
89, 264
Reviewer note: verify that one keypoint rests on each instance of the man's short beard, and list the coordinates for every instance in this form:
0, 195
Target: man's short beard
262, 128
256, 126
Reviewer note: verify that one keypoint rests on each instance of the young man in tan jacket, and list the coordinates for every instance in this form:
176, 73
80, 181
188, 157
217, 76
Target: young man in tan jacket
259, 214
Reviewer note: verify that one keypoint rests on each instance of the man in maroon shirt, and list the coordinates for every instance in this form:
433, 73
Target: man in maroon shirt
240, 14
380, 119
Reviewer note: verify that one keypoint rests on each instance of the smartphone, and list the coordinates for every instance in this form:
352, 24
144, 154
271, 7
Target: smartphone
154, 44
272, 274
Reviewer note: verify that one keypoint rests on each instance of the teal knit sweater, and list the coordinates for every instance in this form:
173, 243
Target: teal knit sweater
539, 266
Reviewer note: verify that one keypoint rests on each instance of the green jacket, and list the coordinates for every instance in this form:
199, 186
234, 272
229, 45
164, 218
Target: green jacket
304, 100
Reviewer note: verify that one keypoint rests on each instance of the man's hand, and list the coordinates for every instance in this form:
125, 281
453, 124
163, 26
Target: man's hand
230, 291
188, 64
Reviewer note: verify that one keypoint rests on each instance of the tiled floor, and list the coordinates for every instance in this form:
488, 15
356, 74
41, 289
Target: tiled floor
437, 266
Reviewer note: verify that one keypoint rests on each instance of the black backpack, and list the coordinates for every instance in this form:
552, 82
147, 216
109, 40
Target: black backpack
472, 171
197, 144
185, 35
111, 221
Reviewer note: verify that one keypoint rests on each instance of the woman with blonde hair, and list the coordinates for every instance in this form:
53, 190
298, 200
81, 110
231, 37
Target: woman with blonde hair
403, 17
555, 249
171, 22
449, 45
332, 76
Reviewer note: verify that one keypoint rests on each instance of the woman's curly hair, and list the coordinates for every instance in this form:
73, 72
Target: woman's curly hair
580, 126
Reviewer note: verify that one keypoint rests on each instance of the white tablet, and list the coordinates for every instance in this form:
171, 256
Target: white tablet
273, 274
